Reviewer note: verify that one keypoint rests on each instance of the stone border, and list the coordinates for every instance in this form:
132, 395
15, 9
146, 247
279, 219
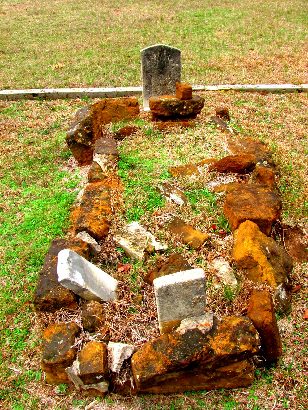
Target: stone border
191, 356
72, 93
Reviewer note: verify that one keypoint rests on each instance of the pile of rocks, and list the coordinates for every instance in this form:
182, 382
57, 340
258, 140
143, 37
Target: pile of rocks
195, 349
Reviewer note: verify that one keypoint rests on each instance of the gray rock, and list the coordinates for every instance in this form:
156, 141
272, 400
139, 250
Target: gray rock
161, 69
179, 296
117, 353
84, 278
135, 240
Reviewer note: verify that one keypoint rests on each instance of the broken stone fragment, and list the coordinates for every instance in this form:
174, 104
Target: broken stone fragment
94, 210
50, 295
224, 272
296, 242
92, 315
136, 240
197, 360
173, 194
112, 110
90, 370
58, 351
187, 234
117, 354
263, 260
168, 106
262, 314
255, 203
175, 263
88, 239
84, 278
79, 138
239, 164
183, 91
179, 296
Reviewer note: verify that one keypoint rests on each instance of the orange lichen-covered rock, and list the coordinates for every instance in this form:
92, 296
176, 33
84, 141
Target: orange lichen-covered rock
188, 235
263, 260
49, 294
168, 106
196, 359
93, 362
239, 164
94, 211
183, 91
255, 203
262, 314
112, 110
58, 351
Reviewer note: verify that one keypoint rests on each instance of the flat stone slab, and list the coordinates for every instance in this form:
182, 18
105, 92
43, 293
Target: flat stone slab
255, 203
168, 106
136, 240
179, 296
84, 278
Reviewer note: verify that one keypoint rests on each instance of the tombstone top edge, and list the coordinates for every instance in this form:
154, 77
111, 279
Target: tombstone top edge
160, 45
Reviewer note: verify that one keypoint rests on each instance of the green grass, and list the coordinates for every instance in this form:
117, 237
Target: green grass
72, 43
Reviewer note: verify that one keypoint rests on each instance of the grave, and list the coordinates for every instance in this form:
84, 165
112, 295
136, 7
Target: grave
161, 70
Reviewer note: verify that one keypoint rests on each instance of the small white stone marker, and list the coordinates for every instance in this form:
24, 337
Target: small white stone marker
84, 278
117, 353
84, 236
179, 296
224, 272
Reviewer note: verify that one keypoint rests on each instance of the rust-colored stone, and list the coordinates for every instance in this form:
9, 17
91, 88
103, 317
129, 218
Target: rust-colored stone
228, 187
197, 354
94, 212
93, 362
264, 175
58, 352
239, 164
175, 263
223, 113
183, 91
168, 106
49, 294
221, 124
184, 170
259, 149
262, 314
255, 203
112, 110
92, 315
188, 235
262, 258
106, 146
125, 132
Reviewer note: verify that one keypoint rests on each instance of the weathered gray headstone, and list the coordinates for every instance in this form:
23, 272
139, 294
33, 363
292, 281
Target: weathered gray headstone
179, 296
161, 69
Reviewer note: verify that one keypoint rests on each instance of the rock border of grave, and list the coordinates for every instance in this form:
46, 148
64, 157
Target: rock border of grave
195, 350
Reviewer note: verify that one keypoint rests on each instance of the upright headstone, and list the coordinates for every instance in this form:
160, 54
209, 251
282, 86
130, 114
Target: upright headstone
161, 69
